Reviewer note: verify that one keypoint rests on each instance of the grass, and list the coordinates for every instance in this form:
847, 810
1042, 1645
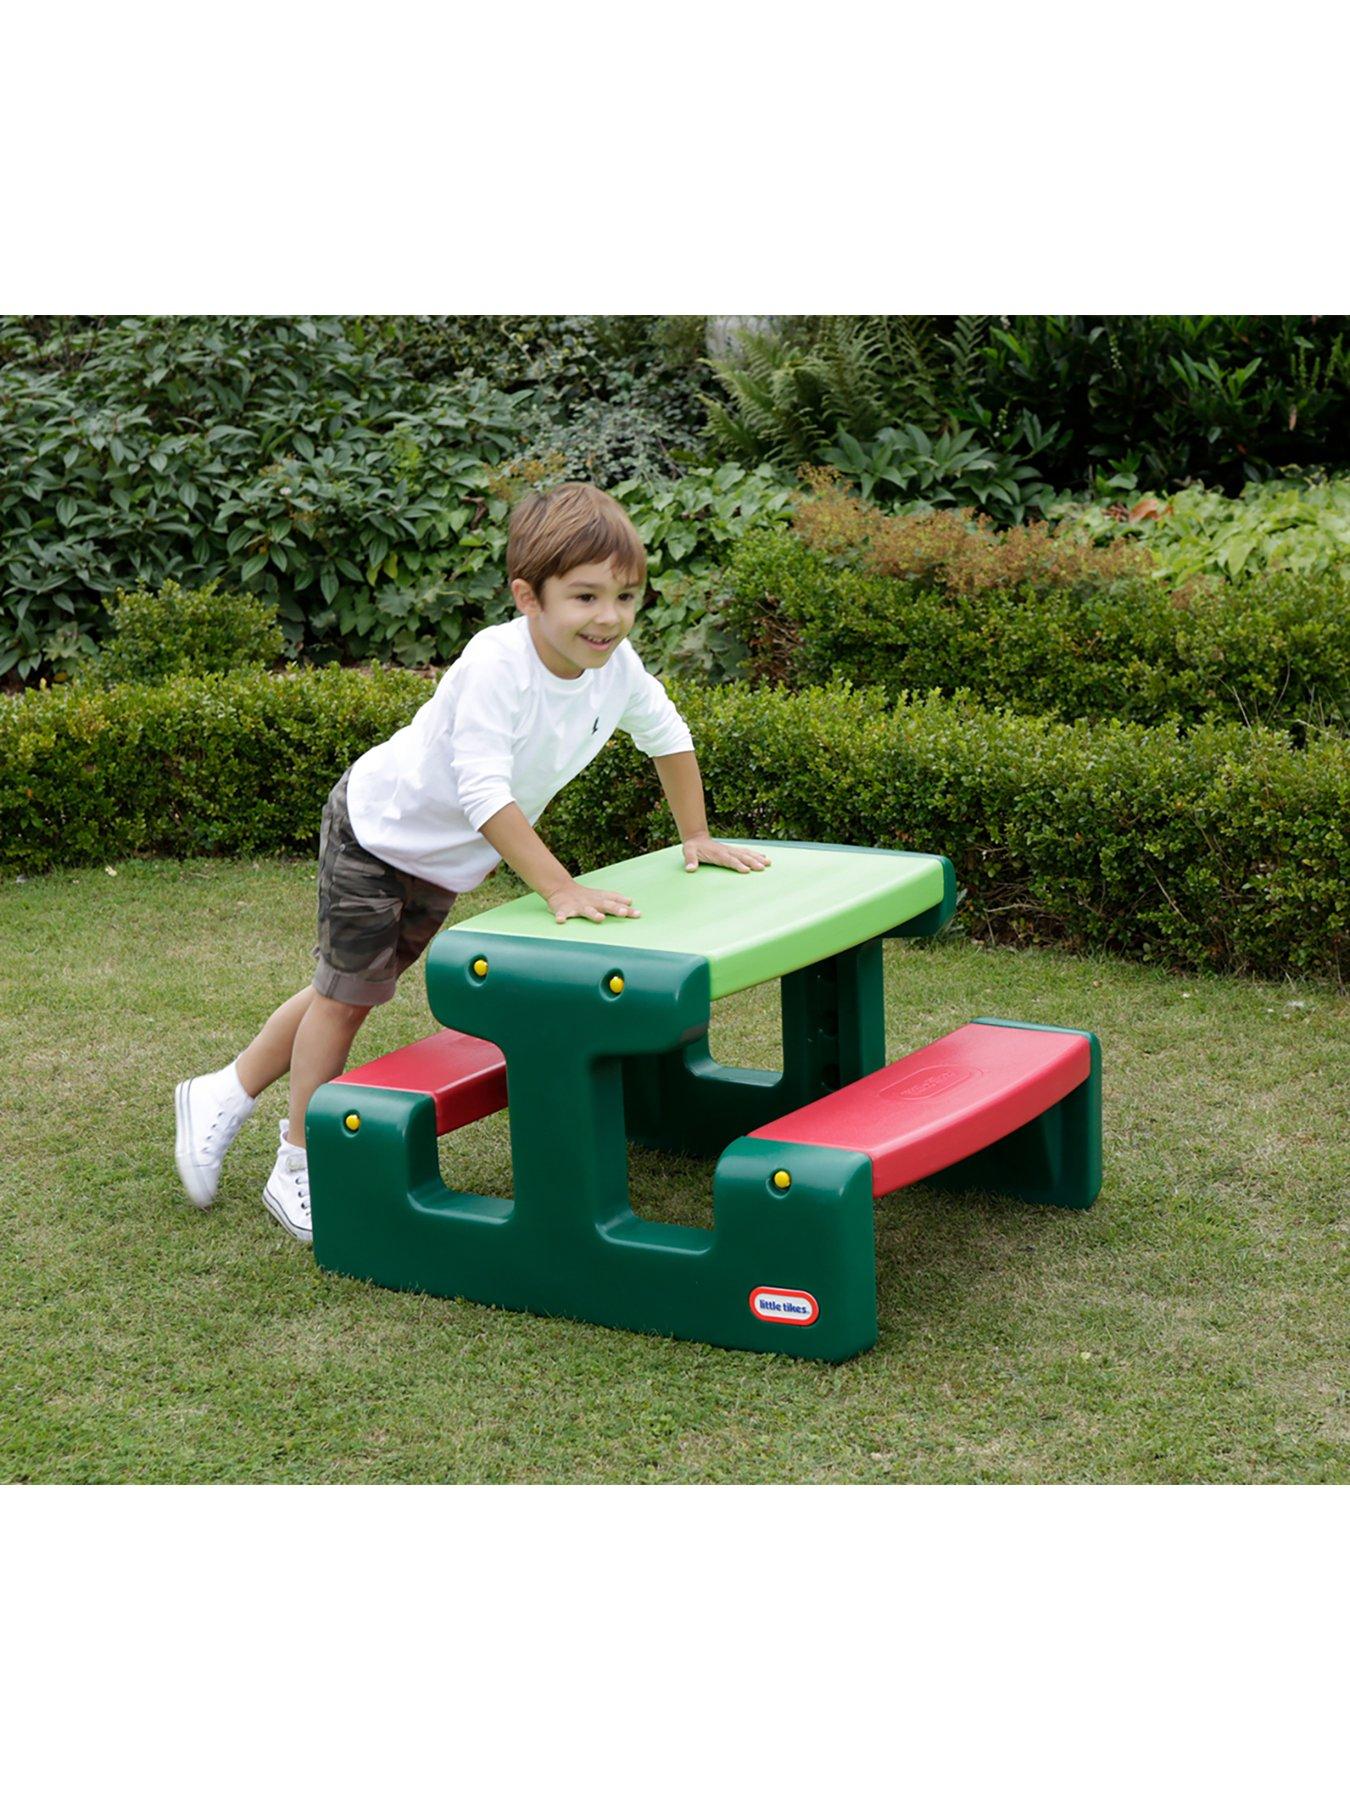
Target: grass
1190, 1328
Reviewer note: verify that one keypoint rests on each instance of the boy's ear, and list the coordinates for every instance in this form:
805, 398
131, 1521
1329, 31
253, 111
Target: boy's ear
525, 598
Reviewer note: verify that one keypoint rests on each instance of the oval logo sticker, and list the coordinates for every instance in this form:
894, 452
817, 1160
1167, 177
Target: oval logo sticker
784, 1306
922, 1084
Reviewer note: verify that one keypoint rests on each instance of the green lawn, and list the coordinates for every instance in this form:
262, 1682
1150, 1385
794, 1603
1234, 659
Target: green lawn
1191, 1327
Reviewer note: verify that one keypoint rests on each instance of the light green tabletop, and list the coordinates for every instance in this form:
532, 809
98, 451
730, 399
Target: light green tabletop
814, 901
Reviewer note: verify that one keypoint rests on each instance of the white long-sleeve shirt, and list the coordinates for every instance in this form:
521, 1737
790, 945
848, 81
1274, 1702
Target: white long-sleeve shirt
498, 728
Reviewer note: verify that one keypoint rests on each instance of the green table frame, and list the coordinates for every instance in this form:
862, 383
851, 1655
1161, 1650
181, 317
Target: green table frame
605, 1033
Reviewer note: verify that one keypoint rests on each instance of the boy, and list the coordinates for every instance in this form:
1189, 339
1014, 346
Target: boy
430, 813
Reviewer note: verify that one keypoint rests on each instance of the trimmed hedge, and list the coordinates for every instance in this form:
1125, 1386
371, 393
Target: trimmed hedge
230, 765
1225, 849
1274, 650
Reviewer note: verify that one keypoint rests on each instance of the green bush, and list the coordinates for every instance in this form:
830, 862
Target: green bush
191, 766
1226, 849
1299, 527
192, 631
1222, 399
1274, 650
690, 527
603, 399
907, 467
304, 462
271, 454
792, 386
1158, 399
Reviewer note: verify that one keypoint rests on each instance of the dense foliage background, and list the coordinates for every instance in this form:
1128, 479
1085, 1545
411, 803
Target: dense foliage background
1017, 404
1098, 522
358, 472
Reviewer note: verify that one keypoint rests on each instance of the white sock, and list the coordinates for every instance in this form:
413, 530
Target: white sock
286, 1147
239, 1094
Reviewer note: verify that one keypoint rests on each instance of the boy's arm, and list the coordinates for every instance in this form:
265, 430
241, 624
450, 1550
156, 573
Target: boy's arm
517, 842
683, 786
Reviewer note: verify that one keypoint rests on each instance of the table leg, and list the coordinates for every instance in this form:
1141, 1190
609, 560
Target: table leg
568, 1242
833, 1032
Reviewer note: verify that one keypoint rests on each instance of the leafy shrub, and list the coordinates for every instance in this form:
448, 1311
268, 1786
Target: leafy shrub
607, 441
1226, 849
689, 527
567, 358
301, 461
269, 453
793, 388
383, 544
1172, 398
1275, 650
603, 399
1159, 399
1298, 526
949, 470
955, 550
691, 523
194, 631
882, 401
190, 766
682, 628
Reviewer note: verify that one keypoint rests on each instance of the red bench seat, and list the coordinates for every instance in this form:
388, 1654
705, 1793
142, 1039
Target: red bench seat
466, 1076
943, 1103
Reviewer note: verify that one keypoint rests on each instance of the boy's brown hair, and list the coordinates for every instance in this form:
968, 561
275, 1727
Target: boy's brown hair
576, 523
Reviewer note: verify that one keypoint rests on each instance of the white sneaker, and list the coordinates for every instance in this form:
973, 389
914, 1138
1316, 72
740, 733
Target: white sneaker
209, 1110
286, 1195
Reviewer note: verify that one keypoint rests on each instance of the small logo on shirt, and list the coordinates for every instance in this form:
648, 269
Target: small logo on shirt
596, 726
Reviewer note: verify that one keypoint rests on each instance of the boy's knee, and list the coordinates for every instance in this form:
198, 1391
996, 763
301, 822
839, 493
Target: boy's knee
339, 1012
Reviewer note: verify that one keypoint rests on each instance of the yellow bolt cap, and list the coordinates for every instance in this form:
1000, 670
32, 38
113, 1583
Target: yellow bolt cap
616, 984
781, 1178
480, 965
352, 1121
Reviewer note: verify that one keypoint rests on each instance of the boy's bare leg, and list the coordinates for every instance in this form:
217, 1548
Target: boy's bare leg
269, 1055
319, 1053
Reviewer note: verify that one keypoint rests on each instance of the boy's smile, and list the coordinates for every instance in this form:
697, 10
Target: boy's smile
586, 614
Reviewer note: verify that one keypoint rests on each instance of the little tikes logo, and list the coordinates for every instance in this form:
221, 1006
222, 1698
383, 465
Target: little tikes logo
784, 1306
924, 1084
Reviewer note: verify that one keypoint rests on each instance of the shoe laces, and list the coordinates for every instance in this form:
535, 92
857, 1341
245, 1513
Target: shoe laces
223, 1117
297, 1167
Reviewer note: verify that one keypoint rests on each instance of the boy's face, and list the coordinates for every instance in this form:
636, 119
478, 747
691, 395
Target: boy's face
585, 615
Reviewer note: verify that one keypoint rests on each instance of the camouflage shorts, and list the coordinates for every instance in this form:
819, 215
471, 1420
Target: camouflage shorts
374, 921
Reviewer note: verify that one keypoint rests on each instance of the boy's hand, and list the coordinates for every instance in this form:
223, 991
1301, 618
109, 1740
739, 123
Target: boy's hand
703, 849
572, 901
